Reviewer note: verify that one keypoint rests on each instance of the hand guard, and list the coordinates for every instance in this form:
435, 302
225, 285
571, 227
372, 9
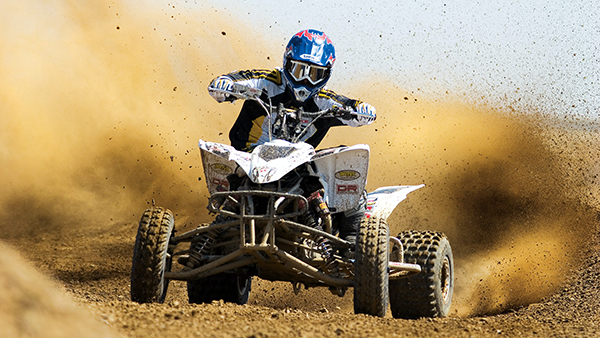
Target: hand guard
366, 112
217, 87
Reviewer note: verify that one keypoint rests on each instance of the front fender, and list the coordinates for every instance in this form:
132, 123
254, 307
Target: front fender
383, 201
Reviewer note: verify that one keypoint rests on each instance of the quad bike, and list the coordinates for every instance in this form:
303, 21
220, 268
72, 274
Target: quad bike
275, 207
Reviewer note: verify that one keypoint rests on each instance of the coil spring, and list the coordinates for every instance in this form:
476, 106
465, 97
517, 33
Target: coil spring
201, 247
327, 254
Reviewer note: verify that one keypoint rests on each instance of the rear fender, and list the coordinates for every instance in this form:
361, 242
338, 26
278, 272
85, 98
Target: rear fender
383, 201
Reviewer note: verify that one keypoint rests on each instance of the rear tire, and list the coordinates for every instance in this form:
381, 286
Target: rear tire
429, 293
151, 257
371, 268
230, 288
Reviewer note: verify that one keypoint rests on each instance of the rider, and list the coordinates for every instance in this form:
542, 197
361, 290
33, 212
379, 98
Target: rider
307, 64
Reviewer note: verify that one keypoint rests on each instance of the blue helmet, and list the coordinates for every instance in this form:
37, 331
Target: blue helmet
307, 63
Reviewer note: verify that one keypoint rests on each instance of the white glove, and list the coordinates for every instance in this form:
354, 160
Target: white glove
220, 83
366, 113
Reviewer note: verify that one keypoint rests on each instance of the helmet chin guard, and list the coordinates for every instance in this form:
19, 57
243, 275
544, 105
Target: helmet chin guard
301, 94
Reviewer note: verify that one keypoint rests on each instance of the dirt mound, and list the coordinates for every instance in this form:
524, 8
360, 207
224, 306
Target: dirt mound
32, 306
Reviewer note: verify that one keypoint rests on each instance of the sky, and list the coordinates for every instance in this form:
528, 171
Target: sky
509, 55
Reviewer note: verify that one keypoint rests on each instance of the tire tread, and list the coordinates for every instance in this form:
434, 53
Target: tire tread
415, 296
371, 268
150, 258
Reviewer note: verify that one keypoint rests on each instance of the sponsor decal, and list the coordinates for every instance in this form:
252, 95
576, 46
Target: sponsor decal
265, 172
214, 147
217, 149
221, 168
371, 203
347, 189
221, 185
313, 58
347, 175
387, 191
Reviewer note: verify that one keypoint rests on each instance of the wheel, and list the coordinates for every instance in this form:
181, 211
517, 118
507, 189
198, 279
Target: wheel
151, 257
371, 268
230, 288
429, 293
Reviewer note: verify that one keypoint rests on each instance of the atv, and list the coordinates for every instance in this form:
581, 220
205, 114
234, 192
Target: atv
274, 209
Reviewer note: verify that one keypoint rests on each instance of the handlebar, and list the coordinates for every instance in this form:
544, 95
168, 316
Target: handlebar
242, 92
284, 115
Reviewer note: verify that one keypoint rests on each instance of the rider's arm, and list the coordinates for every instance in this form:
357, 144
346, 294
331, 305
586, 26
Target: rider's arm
262, 79
362, 113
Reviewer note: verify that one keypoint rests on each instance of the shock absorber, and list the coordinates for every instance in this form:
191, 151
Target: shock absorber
201, 248
318, 204
327, 251
320, 208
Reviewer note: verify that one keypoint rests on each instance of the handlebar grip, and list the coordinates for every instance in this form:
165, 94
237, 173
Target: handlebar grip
239, 92
245, 92
342, 112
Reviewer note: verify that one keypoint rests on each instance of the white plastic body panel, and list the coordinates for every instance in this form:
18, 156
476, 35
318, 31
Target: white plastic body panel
272, 160
343, 173
220, 160
216, 163
384, 200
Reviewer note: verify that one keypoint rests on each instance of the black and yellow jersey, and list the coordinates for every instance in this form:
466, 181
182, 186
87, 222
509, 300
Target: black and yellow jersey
250, 128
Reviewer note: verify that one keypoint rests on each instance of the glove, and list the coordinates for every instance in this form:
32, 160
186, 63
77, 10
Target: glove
365, 113
220, 83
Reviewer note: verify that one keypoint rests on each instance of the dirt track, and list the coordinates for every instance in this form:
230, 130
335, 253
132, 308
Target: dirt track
78, 260
102, 106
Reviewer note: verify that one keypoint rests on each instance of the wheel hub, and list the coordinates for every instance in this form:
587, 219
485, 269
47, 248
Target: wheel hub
445, 279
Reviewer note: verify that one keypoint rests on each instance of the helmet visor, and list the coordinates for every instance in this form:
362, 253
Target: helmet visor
305, 71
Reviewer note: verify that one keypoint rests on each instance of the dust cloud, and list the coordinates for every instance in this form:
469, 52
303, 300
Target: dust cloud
103, 103
516, 193
102, 108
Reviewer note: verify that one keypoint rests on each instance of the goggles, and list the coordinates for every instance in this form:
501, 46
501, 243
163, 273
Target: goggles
304, 71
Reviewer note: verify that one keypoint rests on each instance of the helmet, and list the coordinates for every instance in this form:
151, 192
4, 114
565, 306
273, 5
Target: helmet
307, 63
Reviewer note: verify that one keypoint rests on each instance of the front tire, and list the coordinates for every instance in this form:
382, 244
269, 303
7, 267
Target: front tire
151, 257
429, 293
229, 287
371, 268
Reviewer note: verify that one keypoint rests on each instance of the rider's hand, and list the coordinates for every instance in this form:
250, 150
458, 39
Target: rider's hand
217, 86
366, 112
